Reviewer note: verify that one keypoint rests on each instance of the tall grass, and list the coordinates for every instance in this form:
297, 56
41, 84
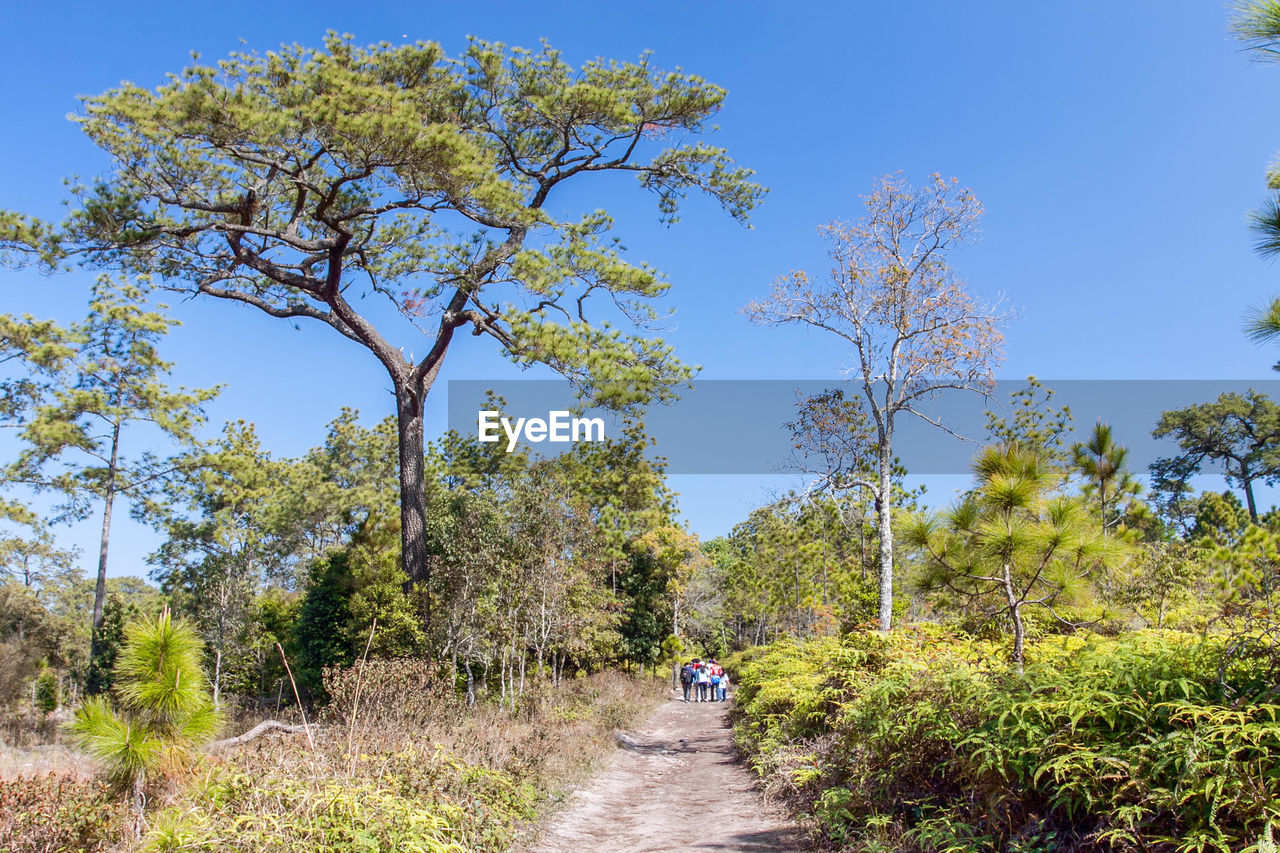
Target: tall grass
406, 766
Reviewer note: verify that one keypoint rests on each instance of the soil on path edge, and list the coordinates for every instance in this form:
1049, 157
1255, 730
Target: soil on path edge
675, 784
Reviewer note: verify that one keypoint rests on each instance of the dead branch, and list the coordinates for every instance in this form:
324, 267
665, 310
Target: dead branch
265, 727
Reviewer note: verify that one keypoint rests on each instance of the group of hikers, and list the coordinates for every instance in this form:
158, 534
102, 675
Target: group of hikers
704, 681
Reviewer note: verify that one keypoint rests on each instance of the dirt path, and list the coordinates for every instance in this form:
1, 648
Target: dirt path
676, 784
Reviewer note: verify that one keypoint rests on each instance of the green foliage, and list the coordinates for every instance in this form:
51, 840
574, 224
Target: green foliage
1237, 432
34, 558
538, 550
48, 691
624, 489
803, 566
346, 592
647, 615
243, 529
1011, 544
1110, 488
165, 708
129, 752
28, 637
338, 815
672, 648
399, 173
1257, 24
112, 380
33, 352
918, 741
107, 640
691, 587
324, 612
1219, 519
110, 384
25, 240
1168, 585
1036, 424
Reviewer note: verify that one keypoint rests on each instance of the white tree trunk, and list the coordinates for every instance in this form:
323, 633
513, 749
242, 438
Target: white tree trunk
884, 514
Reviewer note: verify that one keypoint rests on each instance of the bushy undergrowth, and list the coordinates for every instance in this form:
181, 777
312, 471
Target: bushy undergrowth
406, 766
924, 740
56, 814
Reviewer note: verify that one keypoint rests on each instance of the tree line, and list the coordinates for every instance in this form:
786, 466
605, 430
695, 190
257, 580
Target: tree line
422, 180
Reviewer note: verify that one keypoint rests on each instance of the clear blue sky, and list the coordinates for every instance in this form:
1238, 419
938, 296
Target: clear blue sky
1117, 146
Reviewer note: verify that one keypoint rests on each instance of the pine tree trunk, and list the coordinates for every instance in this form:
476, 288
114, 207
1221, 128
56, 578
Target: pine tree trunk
137, 805
1248, 493
1015, 615
109, 496
413, 496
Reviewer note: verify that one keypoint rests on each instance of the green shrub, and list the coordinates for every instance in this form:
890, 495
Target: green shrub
165, 710
923, 740
239, 812
48, 694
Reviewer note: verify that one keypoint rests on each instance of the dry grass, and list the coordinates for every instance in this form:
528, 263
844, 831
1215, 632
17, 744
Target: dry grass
407, 767
43, 760
409, 753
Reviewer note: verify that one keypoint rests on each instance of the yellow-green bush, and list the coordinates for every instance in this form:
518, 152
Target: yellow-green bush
237, 812
924, 740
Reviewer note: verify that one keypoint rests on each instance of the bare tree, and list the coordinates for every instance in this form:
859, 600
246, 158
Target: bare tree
910, 322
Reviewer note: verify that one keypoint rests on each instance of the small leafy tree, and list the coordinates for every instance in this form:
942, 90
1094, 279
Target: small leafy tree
1011, 543
1162, 577
48, 692
165, 709
107, 640
32, 556
690, 585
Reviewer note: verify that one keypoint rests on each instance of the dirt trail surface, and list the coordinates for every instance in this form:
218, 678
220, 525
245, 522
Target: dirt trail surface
675, 784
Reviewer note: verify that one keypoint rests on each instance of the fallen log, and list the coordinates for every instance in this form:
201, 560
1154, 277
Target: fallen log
265, 727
